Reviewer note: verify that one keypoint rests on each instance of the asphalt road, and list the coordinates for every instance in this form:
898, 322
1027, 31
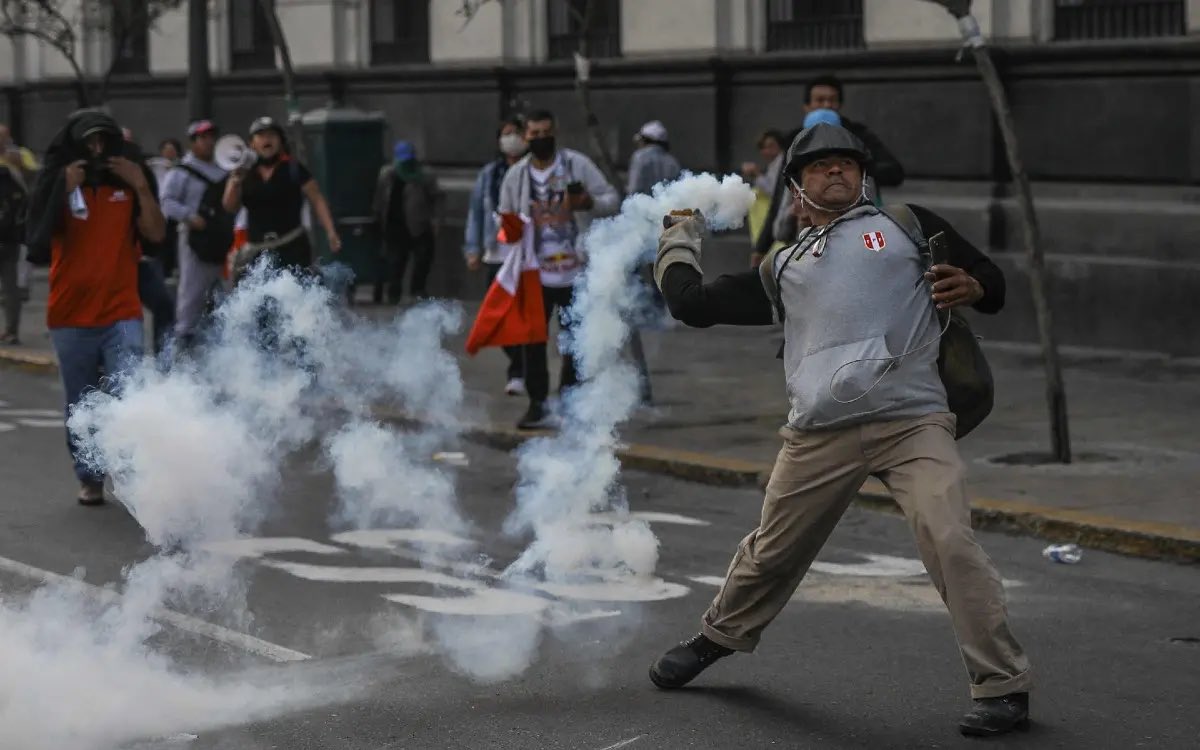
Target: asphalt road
864, 657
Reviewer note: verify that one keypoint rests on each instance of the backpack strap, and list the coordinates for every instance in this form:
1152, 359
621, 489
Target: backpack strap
196, 173
771, 278
902, 215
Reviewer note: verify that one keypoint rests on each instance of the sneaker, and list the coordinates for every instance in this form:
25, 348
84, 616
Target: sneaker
10, 339
91, 493
685, 662
993, 716
515, 387
536, 418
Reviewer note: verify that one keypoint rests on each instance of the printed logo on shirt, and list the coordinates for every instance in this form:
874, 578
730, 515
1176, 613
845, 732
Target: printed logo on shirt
118, 196
874, 241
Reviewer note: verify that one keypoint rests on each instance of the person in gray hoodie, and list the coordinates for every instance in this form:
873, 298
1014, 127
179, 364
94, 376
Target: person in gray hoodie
560, 190
859, 302
181, 194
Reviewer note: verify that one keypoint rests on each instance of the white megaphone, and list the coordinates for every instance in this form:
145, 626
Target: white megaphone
232, 153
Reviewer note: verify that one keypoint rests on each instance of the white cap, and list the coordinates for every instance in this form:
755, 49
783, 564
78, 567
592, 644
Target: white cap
654, 130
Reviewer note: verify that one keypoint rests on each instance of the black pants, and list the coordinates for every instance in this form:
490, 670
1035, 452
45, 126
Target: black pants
152, 289
515, 354
537, 373
397, 253
10, 254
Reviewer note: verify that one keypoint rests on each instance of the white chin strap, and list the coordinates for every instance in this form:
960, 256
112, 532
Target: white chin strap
862, 197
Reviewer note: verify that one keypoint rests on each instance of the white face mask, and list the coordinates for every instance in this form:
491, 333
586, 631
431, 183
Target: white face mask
512, 144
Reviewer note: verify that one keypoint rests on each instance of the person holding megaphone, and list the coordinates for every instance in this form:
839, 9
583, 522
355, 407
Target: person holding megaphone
273, 190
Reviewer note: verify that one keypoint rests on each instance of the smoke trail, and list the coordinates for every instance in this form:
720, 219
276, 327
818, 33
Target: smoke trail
567, 478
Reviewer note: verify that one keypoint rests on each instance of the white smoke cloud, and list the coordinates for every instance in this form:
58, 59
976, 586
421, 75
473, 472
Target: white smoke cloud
566, 481
196, 455
567, 478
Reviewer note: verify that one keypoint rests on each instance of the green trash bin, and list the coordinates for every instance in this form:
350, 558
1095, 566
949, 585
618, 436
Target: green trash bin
345, 154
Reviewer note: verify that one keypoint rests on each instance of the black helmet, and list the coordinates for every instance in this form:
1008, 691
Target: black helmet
822, 139
266, 123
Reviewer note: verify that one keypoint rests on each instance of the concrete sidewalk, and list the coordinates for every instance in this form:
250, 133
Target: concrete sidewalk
719, 401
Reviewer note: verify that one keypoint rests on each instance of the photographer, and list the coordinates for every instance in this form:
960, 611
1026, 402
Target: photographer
91, 208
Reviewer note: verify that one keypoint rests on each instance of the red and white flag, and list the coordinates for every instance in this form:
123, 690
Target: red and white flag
512, 312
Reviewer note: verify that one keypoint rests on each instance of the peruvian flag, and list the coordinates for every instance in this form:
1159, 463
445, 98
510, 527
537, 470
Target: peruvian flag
512, 312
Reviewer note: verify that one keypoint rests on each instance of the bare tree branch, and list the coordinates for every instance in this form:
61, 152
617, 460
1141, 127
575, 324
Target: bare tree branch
50, 22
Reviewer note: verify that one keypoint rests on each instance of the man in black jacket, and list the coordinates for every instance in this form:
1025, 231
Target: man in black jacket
826, 92
859, 301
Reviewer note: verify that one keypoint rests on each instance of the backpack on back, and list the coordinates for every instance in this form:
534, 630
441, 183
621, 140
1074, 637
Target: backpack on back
211, 244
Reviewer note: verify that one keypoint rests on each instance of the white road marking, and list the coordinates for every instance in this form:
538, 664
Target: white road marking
386, 539
887, 566
48, 423
629, 589
651, 517
6, 427
43, 413
255, 547
347, 574
186, 623
624, 743
483, 601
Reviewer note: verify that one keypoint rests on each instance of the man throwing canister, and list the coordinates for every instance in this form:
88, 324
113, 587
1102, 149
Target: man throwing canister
859, 302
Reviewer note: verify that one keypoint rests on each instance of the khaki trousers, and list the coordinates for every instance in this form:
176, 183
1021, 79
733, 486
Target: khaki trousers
816, 475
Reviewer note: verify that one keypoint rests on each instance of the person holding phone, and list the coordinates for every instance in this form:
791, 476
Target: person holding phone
859, 302
561, 191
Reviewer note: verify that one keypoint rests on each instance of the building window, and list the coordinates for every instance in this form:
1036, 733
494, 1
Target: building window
399, 31
1118, 19
814, 24
129, 27
250, 39
565, 18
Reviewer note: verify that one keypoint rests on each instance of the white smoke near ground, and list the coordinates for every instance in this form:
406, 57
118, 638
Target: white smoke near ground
197, 456
568, 479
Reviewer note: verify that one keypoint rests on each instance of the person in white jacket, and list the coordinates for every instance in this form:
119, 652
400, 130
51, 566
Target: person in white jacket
561, 190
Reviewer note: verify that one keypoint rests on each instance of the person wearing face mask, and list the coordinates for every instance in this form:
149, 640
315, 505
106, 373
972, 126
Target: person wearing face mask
861, 308
407, 202
273, 192
480, 245
560, 190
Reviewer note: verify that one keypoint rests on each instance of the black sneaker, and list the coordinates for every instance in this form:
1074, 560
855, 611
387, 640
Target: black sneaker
682, 664
536, 418
993, 716
91, 493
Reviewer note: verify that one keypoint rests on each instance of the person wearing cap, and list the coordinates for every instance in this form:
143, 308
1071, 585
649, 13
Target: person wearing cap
407, 202
273, 192
652, 162
859, 303
89, 211
182, 194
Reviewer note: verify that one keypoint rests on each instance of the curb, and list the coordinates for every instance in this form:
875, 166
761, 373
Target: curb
35, 362
1150, 540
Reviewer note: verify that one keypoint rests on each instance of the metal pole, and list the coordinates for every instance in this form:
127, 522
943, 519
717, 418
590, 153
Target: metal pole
198, 93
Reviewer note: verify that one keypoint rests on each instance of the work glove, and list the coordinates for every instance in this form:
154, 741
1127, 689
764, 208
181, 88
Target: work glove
679, 241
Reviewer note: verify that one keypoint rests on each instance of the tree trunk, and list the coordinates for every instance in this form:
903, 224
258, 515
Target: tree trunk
1056, 396
295, 130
